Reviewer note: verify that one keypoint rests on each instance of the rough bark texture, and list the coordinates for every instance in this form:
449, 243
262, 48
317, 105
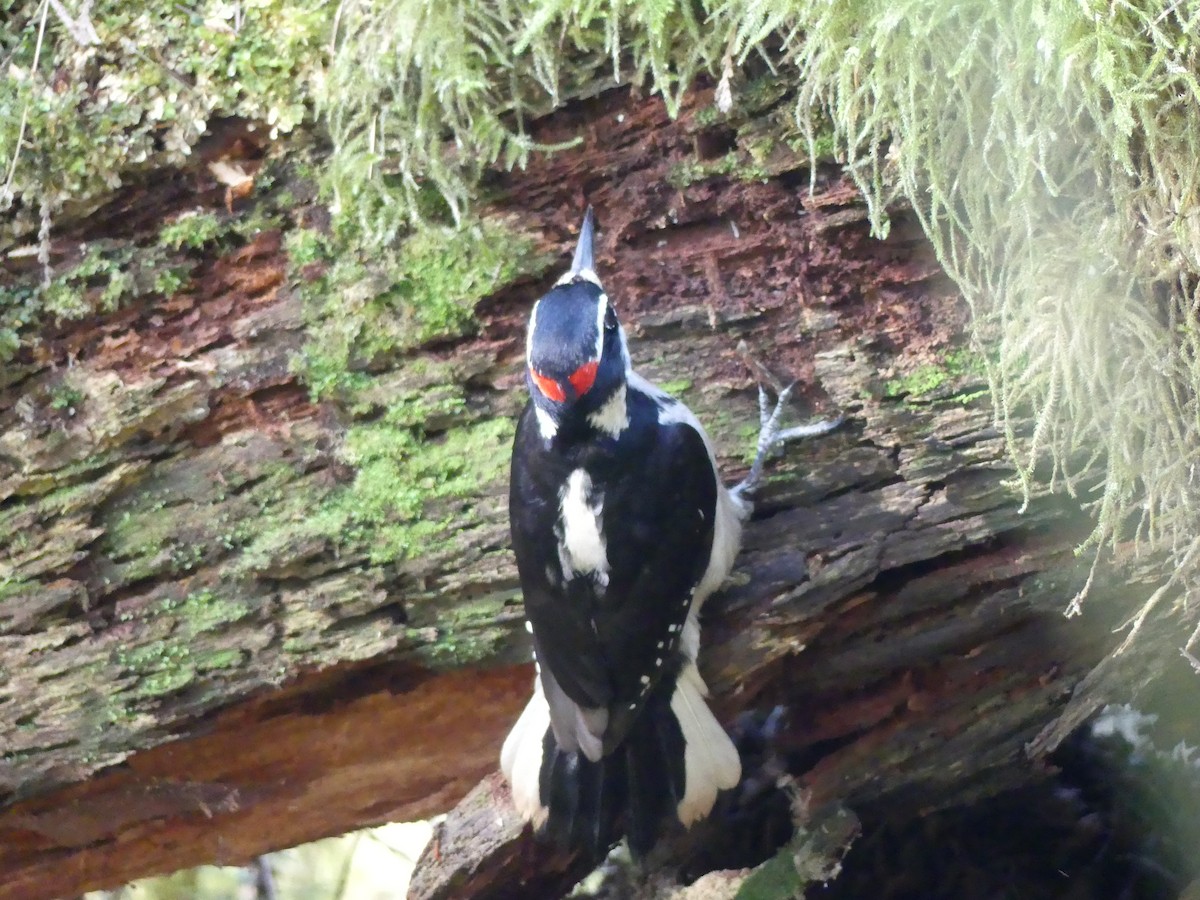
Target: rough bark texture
188, 676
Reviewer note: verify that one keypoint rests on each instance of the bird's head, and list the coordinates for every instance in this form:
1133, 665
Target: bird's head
575, 351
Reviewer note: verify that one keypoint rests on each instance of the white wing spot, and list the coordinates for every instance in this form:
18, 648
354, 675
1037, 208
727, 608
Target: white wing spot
645, 679
529, 628
658, 662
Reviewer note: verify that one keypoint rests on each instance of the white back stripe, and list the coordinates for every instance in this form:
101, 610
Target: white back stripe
581, 549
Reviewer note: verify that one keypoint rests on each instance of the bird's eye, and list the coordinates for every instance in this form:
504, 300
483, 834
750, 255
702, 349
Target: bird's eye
610, 320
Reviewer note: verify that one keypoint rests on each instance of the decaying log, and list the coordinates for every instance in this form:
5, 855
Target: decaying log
188, 675
898, 608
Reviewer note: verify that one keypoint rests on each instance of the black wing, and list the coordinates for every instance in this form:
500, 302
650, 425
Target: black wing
601, 643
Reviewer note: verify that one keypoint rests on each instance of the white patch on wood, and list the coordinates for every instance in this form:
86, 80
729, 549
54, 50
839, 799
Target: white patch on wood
581, 549
710, 759
521, 757
613, 417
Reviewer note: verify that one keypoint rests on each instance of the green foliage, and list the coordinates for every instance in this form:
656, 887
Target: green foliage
192, 231
148, 79
109, 274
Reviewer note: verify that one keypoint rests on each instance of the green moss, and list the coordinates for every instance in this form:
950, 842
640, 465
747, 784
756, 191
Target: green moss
708, 116
399, 502
109, 275
161, 667
191, 231
401, 478
205, 610
254, 60
306, 246
932, 378
366, 308
167, 664
690, 172
467, 632
677, 387
219, 660
12, 587
66, 398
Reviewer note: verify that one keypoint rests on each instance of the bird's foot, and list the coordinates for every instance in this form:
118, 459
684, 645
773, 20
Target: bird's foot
772, 437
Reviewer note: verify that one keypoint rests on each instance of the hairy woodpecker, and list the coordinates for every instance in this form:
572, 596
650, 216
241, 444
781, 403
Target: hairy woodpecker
621, 528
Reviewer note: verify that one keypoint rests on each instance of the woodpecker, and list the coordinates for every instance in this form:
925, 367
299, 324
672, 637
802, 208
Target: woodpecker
621, 527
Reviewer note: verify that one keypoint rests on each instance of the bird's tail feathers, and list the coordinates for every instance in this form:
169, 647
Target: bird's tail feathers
674, 760
521, 757
711, 759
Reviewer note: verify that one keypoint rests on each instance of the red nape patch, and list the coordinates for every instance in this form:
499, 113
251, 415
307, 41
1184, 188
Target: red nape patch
548, 386
584, 377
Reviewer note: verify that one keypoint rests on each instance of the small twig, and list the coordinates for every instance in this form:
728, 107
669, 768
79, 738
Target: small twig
333, 32
43, 255
80, 28
1135, 622
264, 879
372, 836
344, 876
762, 374
1191, 658
6, 196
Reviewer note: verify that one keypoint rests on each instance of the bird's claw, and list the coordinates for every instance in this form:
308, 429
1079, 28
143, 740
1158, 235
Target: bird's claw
771, 437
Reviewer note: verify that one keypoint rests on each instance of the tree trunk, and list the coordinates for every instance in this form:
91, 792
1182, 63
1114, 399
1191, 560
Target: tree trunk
191, 674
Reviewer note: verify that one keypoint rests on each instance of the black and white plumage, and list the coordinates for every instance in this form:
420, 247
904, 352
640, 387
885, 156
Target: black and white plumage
621, 528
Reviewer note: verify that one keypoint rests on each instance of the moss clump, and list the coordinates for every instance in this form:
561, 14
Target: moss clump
191, 231
677, 387
395, 505
205, 610
366, 308
161, 667
149, 77
941, 380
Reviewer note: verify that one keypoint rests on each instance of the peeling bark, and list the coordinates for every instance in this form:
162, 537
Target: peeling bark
190, 676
